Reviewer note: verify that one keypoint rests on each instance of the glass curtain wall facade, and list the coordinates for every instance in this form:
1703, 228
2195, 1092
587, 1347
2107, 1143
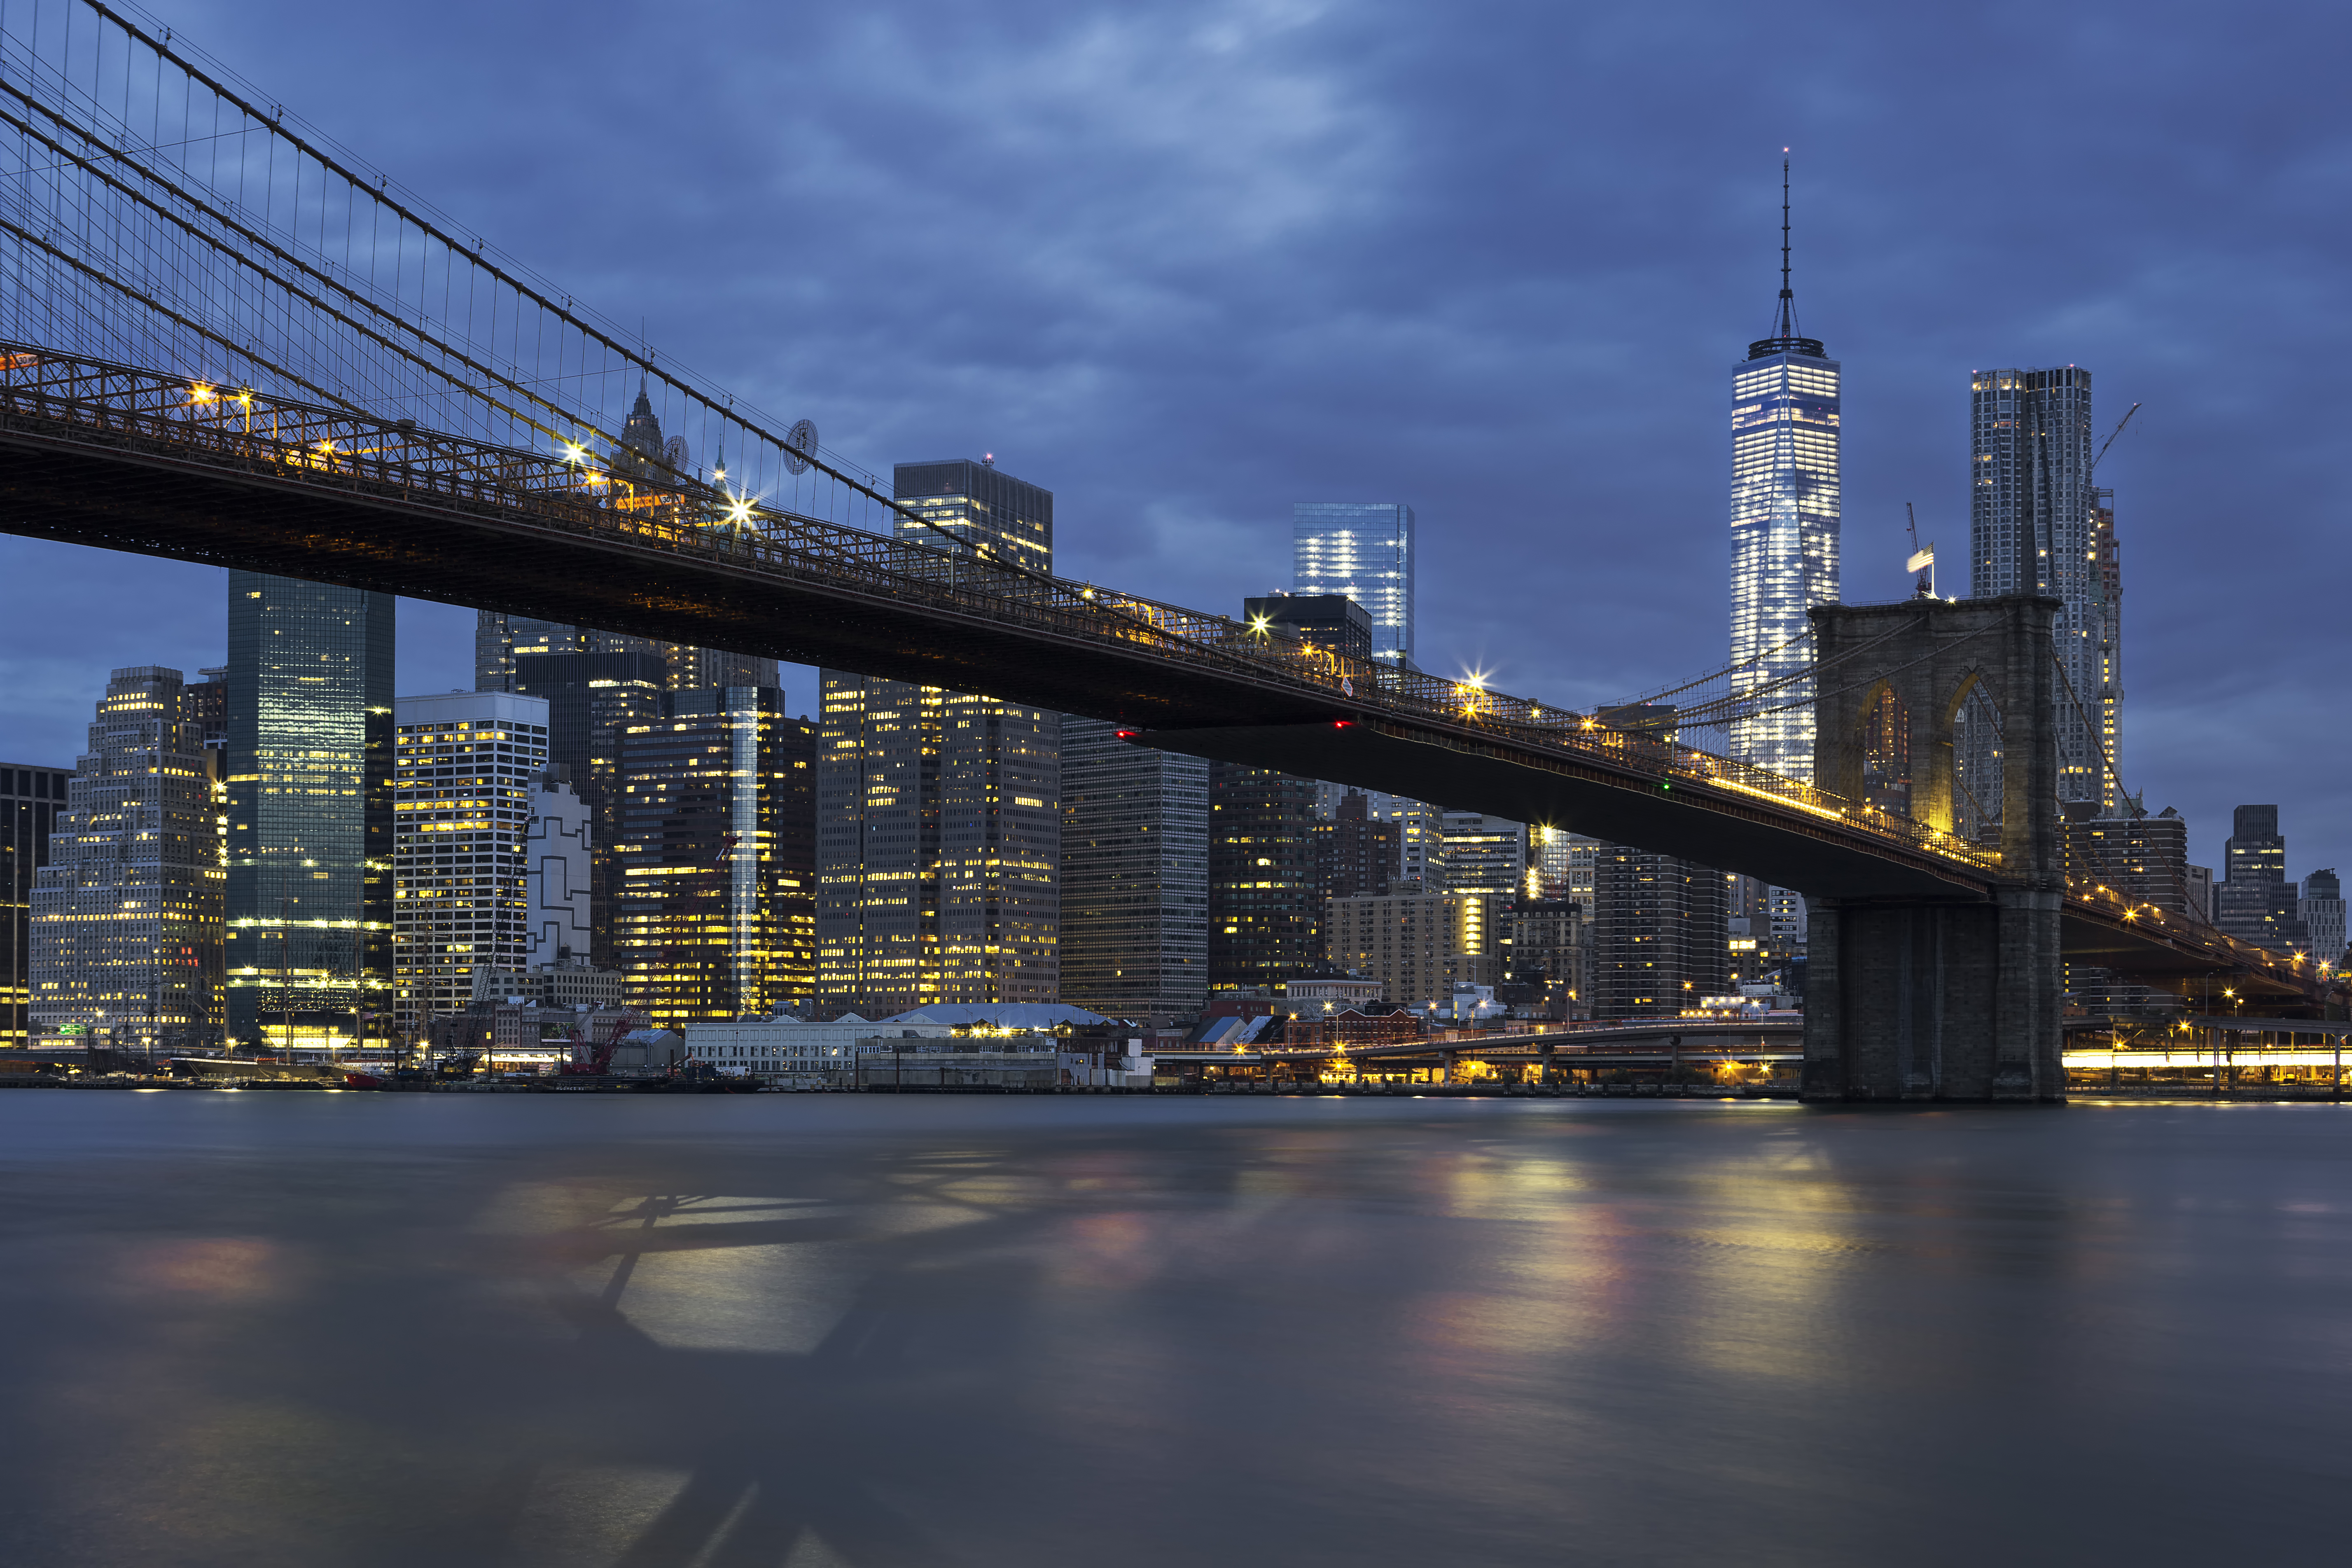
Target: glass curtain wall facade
31, 799
309, 949
2034, 528
716, 916
1363, 549
1784, 538
127, 914
1135, 875
465, 768
939, 817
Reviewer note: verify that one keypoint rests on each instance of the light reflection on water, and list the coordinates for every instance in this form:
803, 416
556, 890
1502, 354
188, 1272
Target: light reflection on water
852, 1330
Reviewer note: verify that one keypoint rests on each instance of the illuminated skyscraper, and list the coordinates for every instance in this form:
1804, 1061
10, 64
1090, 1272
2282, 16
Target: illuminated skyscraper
1784, 525
127, 914
31, 799
465, 768
715, 916
309, 808
939, 818
2036, 525
1364, 549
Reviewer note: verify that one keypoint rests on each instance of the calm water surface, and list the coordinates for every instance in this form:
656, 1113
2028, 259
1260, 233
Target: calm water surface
329, 1329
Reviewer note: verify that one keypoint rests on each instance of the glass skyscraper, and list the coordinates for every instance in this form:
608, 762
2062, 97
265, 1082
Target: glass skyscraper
939, 819
309, 796
1784, 526
715, 916
1364, 549
2036, 525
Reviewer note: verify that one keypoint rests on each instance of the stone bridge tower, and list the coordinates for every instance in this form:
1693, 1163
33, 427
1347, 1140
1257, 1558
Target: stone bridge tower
1940, 999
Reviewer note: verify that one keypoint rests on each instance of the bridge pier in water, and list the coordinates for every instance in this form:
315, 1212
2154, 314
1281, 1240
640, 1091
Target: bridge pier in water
1933, 998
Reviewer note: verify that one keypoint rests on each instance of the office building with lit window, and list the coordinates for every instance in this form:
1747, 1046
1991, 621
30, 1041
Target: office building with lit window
309, 949
126, 945
1417, 945
1134, 875
1659, 934
593, 701
938, 816
466, 767
1365, 551
715, 915
1784, 525
31, 799
976, 506
1265, 907
2037, 525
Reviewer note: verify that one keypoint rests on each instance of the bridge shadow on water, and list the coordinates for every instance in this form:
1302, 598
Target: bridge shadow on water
840, 1333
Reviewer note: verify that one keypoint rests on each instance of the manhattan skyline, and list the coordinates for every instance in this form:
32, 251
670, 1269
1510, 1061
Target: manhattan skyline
1295, 279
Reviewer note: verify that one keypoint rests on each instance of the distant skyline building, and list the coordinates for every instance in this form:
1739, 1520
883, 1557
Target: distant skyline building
31, 798
2321, 910
465, 770
308, 949
716, 914
939, 813
1485, 855
593, 701
1365, 551
1659, 934
1134, 875
2037, 525
2255, 901
1266, 914
1417, 944
1785, 506
127, 914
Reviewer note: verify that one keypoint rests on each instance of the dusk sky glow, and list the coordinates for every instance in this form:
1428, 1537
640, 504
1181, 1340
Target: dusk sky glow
1187, 264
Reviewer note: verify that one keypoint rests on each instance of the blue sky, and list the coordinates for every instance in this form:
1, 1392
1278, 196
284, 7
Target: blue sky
1187, 264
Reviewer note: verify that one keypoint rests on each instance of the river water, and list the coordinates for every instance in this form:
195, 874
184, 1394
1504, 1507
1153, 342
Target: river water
808, 1331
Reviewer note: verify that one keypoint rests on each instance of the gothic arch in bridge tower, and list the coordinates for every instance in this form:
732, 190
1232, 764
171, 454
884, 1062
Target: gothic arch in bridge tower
1937, 998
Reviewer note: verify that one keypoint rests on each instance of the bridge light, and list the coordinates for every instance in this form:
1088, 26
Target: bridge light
202, 394
573, 452
1343, 723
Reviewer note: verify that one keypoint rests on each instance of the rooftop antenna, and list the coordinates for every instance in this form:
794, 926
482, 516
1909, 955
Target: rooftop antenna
1788, 295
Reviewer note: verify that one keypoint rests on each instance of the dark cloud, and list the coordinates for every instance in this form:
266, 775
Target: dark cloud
1186, 264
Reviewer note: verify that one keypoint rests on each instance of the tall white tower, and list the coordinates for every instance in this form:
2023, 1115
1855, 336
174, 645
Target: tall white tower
1784, 525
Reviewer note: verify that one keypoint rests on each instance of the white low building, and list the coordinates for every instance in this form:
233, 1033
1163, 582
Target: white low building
789, 1044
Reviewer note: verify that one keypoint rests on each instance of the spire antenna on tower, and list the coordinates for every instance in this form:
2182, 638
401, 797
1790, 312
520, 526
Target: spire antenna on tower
1785, 336
1788, 295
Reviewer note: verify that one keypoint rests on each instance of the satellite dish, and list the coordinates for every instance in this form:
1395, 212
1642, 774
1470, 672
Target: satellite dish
802, 439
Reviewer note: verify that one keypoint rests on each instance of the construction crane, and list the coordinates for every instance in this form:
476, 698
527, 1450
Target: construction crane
2111, 439
1922, 562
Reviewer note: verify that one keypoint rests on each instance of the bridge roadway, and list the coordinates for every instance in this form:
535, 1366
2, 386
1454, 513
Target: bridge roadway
153, 463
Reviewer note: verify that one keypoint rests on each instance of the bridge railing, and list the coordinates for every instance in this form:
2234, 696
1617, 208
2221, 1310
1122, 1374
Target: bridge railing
2287, 968
623, 495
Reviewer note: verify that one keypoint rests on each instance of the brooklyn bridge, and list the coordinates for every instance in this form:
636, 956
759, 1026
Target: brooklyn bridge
228, 344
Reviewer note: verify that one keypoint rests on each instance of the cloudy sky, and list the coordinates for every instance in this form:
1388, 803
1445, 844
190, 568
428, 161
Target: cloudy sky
1186, 264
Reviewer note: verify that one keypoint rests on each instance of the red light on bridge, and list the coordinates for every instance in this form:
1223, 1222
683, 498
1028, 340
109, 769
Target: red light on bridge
1343, 723
1127, 734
